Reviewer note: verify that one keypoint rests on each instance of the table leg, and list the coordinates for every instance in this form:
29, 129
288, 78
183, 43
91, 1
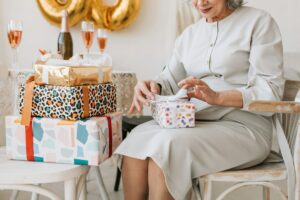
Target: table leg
70, 189
14, 195
83, 193
34, 196
102, 189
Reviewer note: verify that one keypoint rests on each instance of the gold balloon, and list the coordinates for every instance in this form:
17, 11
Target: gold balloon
115, 17
51, 10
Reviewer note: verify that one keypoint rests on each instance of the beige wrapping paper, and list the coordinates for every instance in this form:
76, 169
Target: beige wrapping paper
66, 75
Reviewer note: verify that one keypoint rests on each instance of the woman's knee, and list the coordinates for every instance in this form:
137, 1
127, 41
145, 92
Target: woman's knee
154, 171
133, 163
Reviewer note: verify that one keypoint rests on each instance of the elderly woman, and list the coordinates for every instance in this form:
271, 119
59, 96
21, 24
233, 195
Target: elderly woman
232, 56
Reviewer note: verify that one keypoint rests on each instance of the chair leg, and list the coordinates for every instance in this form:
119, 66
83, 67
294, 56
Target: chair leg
35, 196
117, 181
207, 189
70, 189
266, 193
14, 195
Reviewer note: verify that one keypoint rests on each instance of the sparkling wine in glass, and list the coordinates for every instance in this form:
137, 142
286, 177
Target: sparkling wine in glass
14, 34
106, 60
87, 31
101, 39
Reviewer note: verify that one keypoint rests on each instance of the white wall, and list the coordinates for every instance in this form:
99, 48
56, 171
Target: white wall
287, 15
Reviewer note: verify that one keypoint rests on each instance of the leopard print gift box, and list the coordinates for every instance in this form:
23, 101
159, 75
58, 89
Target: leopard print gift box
67, 102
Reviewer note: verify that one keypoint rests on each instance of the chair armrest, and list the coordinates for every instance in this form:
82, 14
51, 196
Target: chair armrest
274, 106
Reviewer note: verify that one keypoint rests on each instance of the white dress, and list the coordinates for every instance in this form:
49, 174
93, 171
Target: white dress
243, 52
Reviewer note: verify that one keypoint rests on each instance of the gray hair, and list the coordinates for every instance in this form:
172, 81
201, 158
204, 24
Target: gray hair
233, 4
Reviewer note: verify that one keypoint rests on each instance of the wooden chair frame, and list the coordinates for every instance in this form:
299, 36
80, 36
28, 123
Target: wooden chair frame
287, 126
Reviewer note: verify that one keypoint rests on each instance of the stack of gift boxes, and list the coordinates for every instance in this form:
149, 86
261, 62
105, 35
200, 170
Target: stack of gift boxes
67, 116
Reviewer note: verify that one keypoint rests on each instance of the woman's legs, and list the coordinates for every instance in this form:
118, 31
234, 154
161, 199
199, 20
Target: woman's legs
143, 177
135, 178
157, 185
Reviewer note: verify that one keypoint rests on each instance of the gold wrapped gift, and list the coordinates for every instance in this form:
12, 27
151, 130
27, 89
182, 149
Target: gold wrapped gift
66, 75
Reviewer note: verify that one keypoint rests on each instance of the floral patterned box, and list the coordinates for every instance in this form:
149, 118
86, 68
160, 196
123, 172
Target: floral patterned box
174, 114
68, 103
83, 142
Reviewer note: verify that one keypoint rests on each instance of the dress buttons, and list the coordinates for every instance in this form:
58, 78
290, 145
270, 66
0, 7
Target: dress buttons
211, 45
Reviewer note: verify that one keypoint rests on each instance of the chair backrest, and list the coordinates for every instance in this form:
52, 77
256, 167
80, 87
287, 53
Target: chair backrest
290, 120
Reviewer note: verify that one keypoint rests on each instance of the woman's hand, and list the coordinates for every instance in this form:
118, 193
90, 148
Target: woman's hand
143, 91
200, 90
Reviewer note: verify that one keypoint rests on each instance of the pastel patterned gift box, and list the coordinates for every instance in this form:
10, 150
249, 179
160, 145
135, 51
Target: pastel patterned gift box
70, 103
83, 142
174, 114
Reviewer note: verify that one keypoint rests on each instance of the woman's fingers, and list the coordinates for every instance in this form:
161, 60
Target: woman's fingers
144, 88
142, 100
154, 87
182, 82
191, 82
200, 90
135, 106
197, 92
131, 109
194, 82
143, 91
139, 96
138, 106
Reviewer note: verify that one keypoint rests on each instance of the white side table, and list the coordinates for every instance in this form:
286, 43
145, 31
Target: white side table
26, 176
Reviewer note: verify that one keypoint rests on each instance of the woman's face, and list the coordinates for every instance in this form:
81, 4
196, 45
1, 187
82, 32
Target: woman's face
212, 10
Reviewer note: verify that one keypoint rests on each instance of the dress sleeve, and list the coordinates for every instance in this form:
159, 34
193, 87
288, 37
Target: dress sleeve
172, 73
265, 76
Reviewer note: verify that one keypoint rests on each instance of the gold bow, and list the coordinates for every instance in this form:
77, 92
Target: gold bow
115, 17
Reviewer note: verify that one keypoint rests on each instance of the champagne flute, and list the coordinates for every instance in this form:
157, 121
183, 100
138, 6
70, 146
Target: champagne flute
14, 34
87, 31
106, 60
101, 39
